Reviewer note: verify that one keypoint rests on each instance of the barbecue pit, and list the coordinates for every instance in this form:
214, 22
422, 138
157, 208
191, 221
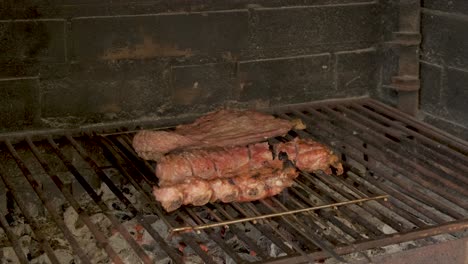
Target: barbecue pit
85, 195
381, 83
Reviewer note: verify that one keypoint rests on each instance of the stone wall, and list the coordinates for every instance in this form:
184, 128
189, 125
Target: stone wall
80, 61
444, 65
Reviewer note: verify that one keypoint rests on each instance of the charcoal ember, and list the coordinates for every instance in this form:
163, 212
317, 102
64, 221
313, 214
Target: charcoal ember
112, 201
207, 245
160, 227
242, 249
83, 235
120, 246
275, 251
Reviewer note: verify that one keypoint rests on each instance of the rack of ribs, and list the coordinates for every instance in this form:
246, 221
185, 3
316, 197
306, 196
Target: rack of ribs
209, 164
242, 188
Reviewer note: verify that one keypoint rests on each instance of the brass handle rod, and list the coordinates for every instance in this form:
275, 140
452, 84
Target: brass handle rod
255, 218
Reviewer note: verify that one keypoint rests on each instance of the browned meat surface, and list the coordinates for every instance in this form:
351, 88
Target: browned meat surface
309, 155
209, 164
222, 128
152, 145
243, 188
212, 163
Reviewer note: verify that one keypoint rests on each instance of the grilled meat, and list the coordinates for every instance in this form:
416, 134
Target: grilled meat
209, 164
243, 188
222, 128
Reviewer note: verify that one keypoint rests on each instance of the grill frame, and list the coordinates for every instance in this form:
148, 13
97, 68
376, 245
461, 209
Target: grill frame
358, 122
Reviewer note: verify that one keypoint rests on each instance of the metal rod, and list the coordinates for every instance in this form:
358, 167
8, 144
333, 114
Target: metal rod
424, 128
103, 177
341, 190
102, 240
300, 226
212, 234
442, 151
393, 151
248, 219
30, 219
450, 227
337, 134
38, 189
14, 240
423, 157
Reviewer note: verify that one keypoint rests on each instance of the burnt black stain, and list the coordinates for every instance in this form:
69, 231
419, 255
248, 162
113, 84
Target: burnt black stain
175, 204
25, 41
271, 147
256, 175
252, 192
231, 181
283, 156
288, 164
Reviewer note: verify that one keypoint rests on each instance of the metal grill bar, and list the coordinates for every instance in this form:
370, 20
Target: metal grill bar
378, 155
13, 238
384, 152
47, 203
30, 219
109, 184
261, 217
440, 153
102, 240
450, 227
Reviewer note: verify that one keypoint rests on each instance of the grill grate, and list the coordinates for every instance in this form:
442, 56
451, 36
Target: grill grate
422, 169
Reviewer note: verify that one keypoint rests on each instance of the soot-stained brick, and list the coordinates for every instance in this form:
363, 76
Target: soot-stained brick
207, 84
163, 35
455, 6
431, 81
356, 71
135, 87
32, 40
457, 95
285, 80
445, 40
283, 28
19, 101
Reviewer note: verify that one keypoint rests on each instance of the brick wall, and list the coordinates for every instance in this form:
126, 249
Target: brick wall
444, 65
75, 61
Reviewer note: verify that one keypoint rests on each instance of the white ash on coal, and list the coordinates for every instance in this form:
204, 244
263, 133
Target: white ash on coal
31, 246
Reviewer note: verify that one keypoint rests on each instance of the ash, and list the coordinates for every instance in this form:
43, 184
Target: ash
182, 243
32, 248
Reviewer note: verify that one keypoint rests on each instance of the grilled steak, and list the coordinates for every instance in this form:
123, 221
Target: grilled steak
222, 128
243, 188
209, 164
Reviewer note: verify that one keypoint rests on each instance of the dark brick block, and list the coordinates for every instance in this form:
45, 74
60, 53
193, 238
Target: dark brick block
19, 101
456, 6
128, 88
208, 84
455, 129
431, 85
356, 71
166, 35
284, 28
32, 40
457, 95
14, 69
445, 40
29, 9
33, 9
285, 80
